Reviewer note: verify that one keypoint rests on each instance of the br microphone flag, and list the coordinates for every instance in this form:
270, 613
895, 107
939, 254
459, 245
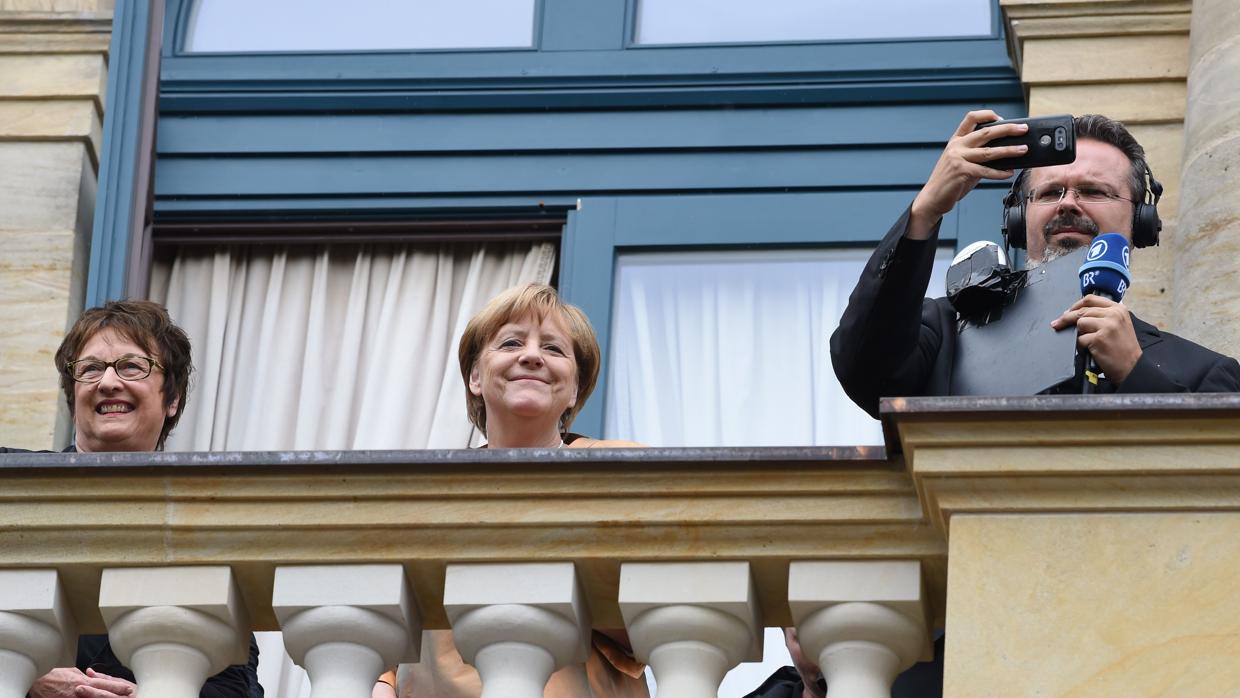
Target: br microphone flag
1105, 271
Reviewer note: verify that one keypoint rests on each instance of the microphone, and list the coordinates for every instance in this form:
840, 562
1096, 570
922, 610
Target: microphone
1104, 273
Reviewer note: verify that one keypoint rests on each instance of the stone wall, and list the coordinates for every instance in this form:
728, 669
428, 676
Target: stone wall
53, 73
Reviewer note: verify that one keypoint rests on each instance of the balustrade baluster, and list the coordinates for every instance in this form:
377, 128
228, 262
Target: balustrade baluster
691, 621
864, 621
517, 623
174, 626
37, 631
346, 624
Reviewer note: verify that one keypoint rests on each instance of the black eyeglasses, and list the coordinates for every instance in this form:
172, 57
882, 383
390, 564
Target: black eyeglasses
1051, 196
129, 367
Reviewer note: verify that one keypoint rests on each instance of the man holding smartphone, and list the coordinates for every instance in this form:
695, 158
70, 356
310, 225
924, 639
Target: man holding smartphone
892, 341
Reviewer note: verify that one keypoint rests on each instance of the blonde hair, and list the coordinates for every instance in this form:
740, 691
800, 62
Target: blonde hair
540, 301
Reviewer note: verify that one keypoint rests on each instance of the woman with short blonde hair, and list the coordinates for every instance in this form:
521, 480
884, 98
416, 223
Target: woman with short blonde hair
541, 303
528, 361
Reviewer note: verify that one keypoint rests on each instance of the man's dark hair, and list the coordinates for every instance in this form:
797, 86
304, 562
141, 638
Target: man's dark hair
1107, 130
146, 324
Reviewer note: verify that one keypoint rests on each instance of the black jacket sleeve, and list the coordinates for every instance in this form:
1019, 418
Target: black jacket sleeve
890, 335
1176, 365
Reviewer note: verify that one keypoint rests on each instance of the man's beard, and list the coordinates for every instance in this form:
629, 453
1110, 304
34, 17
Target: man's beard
1058, 248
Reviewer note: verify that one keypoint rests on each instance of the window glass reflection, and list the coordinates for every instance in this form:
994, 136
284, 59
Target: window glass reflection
244, 26
731, 21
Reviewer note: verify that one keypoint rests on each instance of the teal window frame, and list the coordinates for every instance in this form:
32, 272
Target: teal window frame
584, 55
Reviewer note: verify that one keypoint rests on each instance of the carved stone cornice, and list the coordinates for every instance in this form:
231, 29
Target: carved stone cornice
1071, 454
26, 32
1070, 19
57, 65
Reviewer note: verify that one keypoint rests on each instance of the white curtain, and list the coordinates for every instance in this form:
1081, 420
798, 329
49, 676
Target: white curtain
334, 347
730, 349
331, 347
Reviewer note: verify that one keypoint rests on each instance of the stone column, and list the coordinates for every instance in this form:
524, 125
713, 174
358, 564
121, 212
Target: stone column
53, 71
517, 623
1207, 260
864, 622
346, 624
37, 632
691, 622
174, 626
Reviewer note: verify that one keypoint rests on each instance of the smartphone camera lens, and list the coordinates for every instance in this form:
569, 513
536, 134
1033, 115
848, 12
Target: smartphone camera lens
1061, 138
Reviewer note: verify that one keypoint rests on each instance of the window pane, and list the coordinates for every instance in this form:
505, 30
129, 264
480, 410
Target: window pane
364, 25
731, 348
727, 21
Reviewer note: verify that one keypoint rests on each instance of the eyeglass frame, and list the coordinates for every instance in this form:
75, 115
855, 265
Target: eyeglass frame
112, 364
1076, 193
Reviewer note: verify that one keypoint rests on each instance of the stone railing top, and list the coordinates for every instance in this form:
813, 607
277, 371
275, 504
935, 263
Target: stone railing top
1018, 414
480, 458
1035, 424
1043, 404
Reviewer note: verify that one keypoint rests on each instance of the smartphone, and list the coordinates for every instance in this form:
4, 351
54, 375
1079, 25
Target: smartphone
1051, 141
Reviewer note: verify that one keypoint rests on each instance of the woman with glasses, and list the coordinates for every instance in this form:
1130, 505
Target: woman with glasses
125, 372
529, 361
124, 368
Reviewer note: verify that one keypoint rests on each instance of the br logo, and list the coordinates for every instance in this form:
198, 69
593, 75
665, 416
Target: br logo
1096, 250
1087, 279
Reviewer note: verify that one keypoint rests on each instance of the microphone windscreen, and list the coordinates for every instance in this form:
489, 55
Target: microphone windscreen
1105, 271
988, 249
978, 280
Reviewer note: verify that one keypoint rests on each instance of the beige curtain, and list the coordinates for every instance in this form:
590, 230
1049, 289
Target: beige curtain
331, 347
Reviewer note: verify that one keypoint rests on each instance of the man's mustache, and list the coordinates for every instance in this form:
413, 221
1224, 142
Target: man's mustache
1072, 221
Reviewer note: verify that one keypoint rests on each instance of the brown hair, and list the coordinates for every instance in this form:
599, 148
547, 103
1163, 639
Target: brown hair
539, 300
146, 324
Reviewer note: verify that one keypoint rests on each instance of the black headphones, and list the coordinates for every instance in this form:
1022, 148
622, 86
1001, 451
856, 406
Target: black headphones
1145, 221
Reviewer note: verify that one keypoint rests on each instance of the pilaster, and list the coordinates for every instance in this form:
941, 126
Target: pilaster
53, 72
1208, 241
1092, 543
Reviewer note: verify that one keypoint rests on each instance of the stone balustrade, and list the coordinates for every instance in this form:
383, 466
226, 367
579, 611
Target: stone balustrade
1113, 516
517, 623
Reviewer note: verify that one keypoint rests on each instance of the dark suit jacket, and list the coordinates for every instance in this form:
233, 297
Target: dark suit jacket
892, 341
94, 651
